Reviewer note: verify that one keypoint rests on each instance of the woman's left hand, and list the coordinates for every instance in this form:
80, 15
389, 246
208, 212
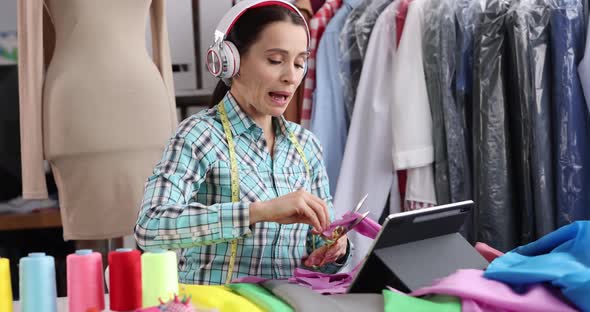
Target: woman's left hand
328, 253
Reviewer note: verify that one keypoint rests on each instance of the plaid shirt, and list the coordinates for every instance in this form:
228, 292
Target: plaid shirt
187, 202
317, 25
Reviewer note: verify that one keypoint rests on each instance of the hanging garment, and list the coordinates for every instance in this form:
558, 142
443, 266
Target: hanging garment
584, 68
293, 111
367, 166
351, 57
317, 25
493, 187
528, 33
467, 14
101, 112
329, 120
306, 300
479, 294
560, 258
394, 301
520, 89
433, 66
452, 173
542, 160
402, 175
411, 121
364, 25
572, 126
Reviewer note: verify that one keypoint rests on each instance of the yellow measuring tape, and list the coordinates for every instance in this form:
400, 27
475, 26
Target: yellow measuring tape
235, 178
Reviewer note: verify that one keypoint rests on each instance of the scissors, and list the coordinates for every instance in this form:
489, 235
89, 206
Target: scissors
343, 229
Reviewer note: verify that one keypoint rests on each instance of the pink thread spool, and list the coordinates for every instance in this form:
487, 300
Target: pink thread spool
85, 281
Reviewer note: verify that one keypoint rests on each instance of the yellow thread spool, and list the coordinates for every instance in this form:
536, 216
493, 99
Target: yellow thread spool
5, 286
159, 277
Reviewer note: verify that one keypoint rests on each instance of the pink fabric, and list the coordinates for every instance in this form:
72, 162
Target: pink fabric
487, 252
323, 283
480, 294
367, 227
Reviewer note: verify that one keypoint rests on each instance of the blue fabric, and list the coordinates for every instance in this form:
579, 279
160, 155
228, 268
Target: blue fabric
329, 121
561, 258
571, 129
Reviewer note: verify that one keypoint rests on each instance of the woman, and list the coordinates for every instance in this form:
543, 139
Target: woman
280, 188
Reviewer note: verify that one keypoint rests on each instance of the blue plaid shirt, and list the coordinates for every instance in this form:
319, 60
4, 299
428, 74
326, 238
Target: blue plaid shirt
187, 201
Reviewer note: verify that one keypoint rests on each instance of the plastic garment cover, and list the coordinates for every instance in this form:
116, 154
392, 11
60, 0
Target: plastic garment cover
584, 66
452, 173
571, 130
350, 58
520, 102
492, 176
366, 22
467, 16
560, 258
531, 125
542, 160
434, 66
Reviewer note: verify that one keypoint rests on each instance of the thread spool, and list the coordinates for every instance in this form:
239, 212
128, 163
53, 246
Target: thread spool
85, 281
5, 286
159, 275
37, 283
124, 284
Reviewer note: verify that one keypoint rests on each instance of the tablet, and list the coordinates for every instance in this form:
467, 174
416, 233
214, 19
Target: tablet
415, 248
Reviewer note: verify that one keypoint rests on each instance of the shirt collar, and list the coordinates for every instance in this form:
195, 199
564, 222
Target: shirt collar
240, 122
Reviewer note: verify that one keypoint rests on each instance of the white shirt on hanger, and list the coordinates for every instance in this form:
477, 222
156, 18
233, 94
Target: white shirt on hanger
411, 119
367, 166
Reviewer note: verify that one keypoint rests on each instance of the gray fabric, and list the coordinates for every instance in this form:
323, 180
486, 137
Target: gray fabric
304, 299
350, 58
364, 25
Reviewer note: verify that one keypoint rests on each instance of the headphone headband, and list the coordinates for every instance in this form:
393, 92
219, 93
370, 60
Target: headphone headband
231, 17
223, 57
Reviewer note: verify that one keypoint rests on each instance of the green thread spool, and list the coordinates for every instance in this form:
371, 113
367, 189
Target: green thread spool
159, 277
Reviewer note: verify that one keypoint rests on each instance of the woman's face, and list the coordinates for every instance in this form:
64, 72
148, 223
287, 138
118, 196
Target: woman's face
272, 69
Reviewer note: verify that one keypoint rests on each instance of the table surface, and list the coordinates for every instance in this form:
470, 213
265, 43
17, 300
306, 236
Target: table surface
33, 220
62, 304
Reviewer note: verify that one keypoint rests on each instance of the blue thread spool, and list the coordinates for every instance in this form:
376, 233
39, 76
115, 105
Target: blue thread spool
37, 283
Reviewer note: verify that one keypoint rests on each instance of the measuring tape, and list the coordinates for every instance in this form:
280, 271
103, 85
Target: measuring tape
235, 178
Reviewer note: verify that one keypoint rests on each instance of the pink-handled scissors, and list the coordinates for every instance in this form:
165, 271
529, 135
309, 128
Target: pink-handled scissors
343, 229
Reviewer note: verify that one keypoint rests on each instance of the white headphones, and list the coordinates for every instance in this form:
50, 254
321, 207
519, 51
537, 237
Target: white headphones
223, 58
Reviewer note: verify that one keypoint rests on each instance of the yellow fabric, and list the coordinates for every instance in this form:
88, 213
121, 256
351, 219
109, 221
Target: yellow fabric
218, 297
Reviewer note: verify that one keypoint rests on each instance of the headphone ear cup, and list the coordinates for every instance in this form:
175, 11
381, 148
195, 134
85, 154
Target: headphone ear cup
214, 61
230, 59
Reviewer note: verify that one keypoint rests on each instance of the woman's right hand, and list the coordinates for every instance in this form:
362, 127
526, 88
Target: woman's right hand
296, 207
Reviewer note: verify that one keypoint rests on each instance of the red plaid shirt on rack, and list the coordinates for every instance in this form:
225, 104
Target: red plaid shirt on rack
317, 25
